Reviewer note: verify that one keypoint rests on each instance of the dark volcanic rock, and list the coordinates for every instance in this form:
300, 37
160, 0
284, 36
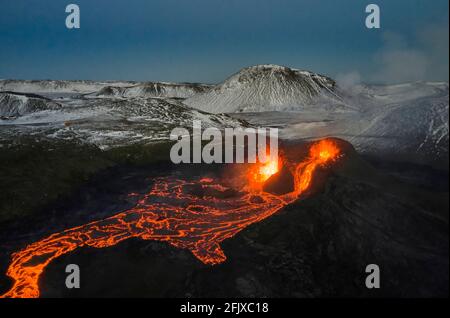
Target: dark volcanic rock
280, 183
315, 247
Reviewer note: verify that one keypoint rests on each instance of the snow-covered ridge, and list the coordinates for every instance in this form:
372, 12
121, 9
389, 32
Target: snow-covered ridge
18, 104
105, 122
394, 93
154, 89
106, 89
56, 86
413, 121
265, 88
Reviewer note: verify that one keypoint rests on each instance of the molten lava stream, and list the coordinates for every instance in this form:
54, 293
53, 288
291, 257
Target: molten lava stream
196, 223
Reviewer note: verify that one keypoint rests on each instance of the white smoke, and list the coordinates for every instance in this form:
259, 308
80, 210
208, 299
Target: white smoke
423, 58
349, 81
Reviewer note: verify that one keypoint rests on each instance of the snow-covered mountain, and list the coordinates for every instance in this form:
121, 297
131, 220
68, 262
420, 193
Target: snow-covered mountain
268, 88
18, 104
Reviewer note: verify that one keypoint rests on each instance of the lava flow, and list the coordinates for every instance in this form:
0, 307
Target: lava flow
195, 215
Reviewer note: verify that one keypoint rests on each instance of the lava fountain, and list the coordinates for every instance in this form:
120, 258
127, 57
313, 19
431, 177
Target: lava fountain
172, 212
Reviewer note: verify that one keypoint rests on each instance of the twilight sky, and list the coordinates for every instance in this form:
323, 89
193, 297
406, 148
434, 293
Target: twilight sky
208, 40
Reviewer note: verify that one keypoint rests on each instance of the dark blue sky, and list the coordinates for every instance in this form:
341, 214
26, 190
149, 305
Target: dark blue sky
208, 40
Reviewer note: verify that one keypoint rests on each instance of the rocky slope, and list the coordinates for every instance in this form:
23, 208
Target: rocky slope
17, 104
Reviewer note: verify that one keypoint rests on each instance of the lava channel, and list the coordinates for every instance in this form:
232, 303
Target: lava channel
170, 213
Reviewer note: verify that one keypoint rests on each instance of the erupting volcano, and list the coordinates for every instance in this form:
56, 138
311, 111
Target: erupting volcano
192, 214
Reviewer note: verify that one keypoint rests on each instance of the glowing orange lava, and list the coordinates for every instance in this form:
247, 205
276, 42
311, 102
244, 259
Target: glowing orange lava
195, 222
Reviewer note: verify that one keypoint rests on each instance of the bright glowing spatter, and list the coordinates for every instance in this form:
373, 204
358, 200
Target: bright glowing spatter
268, 169
192, 215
